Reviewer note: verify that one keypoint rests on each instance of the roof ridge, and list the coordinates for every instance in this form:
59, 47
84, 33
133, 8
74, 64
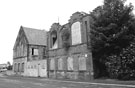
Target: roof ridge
32, 28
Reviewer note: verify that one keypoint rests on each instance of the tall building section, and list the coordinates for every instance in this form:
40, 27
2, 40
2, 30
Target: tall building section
76, 61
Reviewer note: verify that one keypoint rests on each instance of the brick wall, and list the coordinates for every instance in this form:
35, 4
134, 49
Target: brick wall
41, 52
76, 62
77, 67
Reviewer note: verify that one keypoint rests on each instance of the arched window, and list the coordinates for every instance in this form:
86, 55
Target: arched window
60, 64
22, 67
15, 67
76, 33
69, 63
52, 64
18, 67
54, 40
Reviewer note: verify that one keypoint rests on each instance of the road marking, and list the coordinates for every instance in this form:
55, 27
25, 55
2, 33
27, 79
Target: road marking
92, 83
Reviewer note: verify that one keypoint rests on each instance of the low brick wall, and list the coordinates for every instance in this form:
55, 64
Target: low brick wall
76, 63
76, 75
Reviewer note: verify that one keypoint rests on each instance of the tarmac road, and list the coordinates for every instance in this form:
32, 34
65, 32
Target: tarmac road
26, 82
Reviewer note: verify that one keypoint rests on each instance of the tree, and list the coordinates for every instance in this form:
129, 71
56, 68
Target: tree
9, 67
112, 30
122, 66
8, 63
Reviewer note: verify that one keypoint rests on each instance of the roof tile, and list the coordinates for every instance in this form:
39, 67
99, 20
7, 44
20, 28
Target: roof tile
36, 36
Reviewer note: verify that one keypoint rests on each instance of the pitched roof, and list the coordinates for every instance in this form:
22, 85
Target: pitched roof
35, 36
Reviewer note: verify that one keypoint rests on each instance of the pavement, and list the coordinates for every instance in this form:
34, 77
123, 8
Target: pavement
31, 82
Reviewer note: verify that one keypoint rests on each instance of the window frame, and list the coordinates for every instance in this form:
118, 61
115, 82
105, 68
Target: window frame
33, 52
79, 41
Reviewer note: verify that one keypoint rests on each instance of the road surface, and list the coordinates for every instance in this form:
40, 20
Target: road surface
26, 82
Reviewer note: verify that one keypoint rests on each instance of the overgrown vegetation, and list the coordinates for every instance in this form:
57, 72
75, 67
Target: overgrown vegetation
65, 38
122, 66
112, 39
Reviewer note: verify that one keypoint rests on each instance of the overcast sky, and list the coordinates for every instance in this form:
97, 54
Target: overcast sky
38, 14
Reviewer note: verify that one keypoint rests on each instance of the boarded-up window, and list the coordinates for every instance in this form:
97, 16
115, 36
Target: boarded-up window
60, 64
52, 64
15, 67
22, 67
18, 67
82, 63
76, 33
70, 63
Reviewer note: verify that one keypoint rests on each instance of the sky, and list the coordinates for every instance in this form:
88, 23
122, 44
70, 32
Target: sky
39, 14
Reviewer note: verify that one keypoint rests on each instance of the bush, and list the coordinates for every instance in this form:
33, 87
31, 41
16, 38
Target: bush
122, 66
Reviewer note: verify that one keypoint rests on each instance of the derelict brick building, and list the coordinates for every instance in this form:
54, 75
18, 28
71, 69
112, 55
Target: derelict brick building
70, 60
